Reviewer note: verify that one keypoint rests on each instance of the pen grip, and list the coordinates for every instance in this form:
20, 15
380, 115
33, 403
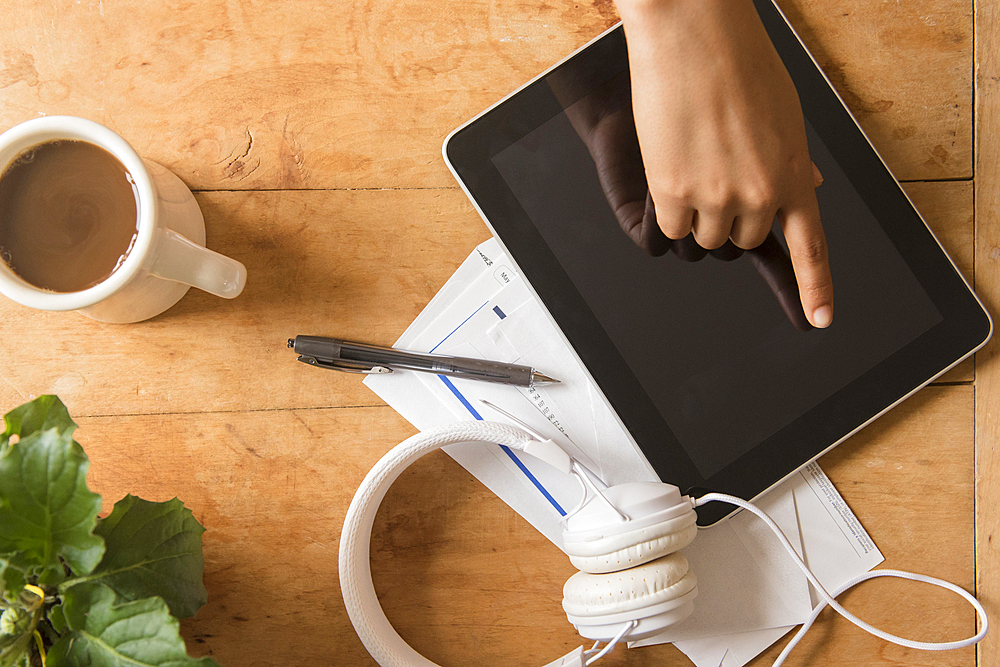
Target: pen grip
465, 367
478, 369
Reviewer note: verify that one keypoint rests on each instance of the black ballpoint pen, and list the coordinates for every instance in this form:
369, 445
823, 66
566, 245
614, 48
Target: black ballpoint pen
342, 355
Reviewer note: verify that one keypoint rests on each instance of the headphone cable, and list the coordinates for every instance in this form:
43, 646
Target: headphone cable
829, 599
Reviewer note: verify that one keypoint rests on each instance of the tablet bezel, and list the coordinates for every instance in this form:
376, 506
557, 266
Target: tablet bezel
966, 325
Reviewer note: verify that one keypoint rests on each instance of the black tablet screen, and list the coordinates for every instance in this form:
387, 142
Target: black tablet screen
718, 343
707, 358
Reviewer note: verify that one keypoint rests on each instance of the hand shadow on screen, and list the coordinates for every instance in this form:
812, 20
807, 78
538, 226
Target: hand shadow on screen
603, 119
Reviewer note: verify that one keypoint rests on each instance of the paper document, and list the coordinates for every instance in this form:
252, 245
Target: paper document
750, 592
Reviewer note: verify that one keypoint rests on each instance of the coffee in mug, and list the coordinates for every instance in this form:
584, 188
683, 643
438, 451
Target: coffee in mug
87, 224
67, 215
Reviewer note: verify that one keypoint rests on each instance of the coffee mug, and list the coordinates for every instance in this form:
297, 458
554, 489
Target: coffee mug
165, 254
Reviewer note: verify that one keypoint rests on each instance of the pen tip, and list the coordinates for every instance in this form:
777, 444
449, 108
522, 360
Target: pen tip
541, 378
291, 342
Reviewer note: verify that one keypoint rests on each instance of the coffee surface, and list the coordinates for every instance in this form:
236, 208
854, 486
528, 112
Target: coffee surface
67, 215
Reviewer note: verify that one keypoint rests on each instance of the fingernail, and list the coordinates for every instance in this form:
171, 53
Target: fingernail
822, 317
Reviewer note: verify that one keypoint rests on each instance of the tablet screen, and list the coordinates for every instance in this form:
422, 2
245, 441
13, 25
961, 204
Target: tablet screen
707, 337
707, 357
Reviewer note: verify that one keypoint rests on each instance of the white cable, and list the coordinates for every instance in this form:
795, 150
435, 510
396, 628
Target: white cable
579, 505
588, 484
611, 644
828, 599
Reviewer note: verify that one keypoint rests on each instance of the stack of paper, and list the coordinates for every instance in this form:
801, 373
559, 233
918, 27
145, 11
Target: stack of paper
750, 592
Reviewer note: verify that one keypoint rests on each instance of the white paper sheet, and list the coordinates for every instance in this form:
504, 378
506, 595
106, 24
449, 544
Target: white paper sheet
750, 593
835, 548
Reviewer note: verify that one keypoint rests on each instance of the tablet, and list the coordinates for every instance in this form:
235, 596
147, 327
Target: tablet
707, 358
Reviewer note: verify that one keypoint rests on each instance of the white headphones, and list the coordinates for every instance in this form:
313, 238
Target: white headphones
625, 540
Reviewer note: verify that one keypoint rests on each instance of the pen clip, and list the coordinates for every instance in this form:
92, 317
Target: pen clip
345, 366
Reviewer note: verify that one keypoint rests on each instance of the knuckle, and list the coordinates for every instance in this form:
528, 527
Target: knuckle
707, 195
719, 196
711, 234
800, 163
710, 242
813, 250
761, 199
815, 290
674, 230
671, 192
749, 239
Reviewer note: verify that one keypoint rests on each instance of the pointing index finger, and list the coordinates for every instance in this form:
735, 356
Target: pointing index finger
808, 251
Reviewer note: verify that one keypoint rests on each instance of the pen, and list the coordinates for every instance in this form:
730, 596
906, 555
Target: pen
342, 355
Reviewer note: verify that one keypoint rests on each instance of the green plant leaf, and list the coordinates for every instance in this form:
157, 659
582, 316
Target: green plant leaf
56, 618
47, 513
152, 549
16, 626
103, 634
41, 414
12, 582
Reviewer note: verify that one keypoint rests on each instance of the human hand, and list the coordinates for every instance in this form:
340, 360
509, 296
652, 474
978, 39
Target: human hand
603, 120
722, 135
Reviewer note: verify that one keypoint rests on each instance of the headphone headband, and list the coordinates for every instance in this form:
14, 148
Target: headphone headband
363, 608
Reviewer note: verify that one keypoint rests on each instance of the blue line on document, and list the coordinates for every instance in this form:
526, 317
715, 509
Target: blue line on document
460, 397
468, 406
458, 327
513, 457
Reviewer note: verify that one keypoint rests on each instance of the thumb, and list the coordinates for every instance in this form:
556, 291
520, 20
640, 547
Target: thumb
817, 176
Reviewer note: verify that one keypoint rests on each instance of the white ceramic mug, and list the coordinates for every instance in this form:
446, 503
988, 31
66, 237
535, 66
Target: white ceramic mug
168, 256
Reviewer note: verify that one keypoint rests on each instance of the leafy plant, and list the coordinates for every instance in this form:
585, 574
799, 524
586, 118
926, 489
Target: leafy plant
76, 589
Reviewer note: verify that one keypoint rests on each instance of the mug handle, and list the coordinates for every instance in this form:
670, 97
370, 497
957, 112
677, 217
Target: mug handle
180, 260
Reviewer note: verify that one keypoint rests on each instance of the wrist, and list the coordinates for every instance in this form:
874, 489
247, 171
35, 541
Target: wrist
678, 28
639, 9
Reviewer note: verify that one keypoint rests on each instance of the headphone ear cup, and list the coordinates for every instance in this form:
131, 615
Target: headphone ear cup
642, 546
661, 521
656, 594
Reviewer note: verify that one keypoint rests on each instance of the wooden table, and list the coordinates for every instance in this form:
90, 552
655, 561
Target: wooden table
311, 133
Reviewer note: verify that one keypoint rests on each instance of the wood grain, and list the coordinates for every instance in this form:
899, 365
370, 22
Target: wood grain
899, 67
312, 94
459, 572
987, 282
355, 264
907, 477
947, 207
